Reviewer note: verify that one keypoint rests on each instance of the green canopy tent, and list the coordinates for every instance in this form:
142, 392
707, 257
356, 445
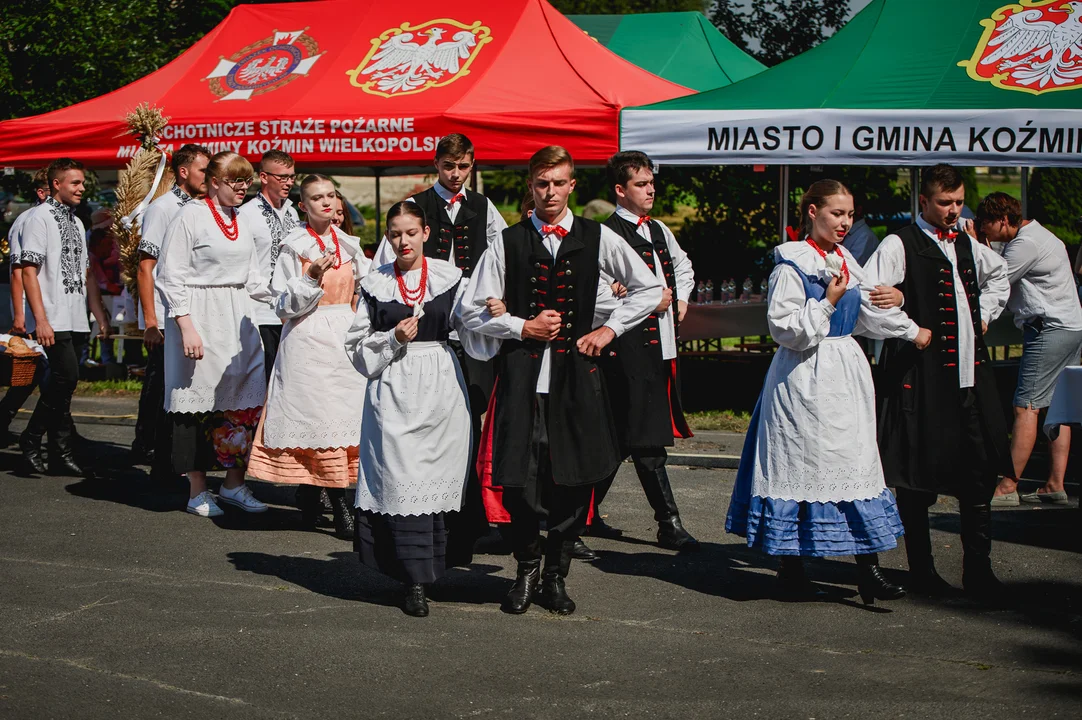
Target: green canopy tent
905, 82
681, 47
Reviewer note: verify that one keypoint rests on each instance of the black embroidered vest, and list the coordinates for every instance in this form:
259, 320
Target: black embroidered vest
646, 406
462, 242
920, 417
582, 440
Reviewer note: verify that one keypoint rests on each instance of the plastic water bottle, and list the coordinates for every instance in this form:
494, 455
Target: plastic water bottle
745, 297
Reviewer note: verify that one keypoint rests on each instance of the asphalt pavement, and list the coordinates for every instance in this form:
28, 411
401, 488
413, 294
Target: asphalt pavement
116, 604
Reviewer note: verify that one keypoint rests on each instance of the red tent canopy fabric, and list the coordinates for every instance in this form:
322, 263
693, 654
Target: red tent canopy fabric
350, 83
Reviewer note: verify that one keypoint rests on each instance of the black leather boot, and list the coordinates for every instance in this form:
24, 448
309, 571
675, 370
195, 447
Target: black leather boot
871, 584
343, 514
553, 596
793, 584
30, 445
671, 534
923, 578
308, 503
582, 551
978, 580
521, 596
62, 452
599, 528
414, 603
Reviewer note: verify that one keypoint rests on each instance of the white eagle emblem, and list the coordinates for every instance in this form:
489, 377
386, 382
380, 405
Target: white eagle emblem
1035, 51
401, 65
259, 70
264, 65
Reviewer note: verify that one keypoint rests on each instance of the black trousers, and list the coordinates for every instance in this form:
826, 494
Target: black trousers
153, 428
565, 507
974, 488
54, 408
272, 338
647, 461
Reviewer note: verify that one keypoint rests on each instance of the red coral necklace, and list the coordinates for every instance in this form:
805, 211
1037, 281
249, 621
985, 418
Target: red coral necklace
837, 250
231, 232
323, 247
412, 297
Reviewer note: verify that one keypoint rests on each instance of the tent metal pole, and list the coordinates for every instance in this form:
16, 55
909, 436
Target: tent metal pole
783, 202
1025, 191
914, 192
379, 209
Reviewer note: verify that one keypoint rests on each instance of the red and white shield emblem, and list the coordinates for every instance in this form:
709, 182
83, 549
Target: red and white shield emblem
264, 66
1034, 47
410, 59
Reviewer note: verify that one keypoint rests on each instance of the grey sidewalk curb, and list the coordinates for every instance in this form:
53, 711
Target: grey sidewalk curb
121, 420
705, 460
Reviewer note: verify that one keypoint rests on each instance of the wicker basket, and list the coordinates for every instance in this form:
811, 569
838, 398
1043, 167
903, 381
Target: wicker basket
18, 370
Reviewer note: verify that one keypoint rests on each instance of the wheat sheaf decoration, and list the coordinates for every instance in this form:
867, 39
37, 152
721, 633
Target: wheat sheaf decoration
146, 123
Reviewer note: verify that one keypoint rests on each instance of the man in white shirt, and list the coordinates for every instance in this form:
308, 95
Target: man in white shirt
1045, 306
941, 428
22, 324
271, 216
152, 428
640, 366
553, 436
57, 281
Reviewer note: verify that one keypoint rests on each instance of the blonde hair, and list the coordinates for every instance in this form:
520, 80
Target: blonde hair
229, 165
817, 194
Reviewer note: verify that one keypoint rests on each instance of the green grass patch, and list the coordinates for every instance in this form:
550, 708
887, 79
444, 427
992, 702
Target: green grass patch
100, 388
719, 420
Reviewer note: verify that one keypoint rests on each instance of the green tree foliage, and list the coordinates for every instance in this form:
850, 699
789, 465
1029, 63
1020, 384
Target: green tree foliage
737, 223
1055, 200
774, 31
57, 52
621, 7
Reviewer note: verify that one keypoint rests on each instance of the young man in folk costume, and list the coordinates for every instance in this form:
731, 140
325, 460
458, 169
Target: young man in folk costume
553, 435
22, 321
57, 282
152, 427
463, 224
941, 427
640, 366
271, 216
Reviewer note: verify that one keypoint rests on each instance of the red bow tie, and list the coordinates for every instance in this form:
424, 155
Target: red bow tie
945, 234
643, 219
550, 229
456, 198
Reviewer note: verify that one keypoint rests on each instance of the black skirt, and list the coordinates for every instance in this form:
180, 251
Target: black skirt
411, 548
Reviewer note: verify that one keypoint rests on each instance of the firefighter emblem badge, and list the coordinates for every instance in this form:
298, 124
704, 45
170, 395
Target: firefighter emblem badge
264, 66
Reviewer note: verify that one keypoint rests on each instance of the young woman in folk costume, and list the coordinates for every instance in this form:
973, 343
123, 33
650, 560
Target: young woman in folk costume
810, 482
415, 431
214, 378
310, 427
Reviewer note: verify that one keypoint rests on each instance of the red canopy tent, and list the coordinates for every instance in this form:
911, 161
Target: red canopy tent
357, 84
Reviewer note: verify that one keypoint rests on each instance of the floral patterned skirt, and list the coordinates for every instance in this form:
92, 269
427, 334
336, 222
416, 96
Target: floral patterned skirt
217, 440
